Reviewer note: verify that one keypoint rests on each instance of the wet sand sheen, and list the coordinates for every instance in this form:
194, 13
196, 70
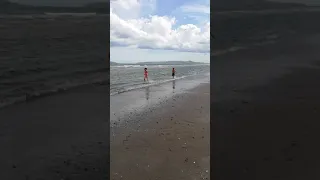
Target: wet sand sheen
170, 141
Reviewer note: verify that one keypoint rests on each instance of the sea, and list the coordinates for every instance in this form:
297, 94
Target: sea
126, 78
45, 54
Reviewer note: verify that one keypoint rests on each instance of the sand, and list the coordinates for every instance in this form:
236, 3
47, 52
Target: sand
167, 141
265, 110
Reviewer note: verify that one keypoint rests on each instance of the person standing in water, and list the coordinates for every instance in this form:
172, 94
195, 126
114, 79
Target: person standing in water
145, 75
173, 72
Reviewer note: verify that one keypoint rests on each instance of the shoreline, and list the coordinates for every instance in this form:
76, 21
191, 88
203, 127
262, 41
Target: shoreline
136, 101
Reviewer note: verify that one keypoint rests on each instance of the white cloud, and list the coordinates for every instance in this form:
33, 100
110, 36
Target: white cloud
132, 9
129, 27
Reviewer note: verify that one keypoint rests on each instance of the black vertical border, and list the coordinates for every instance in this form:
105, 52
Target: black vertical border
288, 151
108, 118
103, 174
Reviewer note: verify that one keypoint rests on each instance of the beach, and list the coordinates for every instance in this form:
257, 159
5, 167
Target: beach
59, 121
166, 136
265, 111
55, 92
264, 118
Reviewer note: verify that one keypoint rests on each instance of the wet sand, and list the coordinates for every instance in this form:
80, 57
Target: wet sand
265, 112
63, 136
167, 141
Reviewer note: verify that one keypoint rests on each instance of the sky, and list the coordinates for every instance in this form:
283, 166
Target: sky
159, 30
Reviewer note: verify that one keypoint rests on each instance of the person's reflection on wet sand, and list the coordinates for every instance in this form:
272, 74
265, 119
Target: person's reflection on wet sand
147, 93
173, 84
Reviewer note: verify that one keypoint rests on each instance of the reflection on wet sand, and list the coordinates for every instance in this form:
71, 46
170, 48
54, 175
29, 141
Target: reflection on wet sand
147, 93
173, 84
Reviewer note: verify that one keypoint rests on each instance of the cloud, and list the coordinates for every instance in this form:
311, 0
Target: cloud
133, 24
132, 9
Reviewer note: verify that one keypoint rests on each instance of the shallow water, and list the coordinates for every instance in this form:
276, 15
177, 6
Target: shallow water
124, 79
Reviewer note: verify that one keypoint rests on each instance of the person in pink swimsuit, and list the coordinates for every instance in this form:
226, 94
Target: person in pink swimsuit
145, 75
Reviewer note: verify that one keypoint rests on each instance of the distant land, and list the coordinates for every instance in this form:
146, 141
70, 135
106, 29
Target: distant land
157, 63
7, 7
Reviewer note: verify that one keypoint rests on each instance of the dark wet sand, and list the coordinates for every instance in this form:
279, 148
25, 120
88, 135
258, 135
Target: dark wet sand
266, 112
169, 141
64, 136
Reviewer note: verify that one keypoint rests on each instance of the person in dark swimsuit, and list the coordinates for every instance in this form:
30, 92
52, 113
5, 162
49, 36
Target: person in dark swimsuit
173, 72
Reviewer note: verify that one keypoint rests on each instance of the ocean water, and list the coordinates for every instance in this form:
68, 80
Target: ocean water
126, 78
42, 54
